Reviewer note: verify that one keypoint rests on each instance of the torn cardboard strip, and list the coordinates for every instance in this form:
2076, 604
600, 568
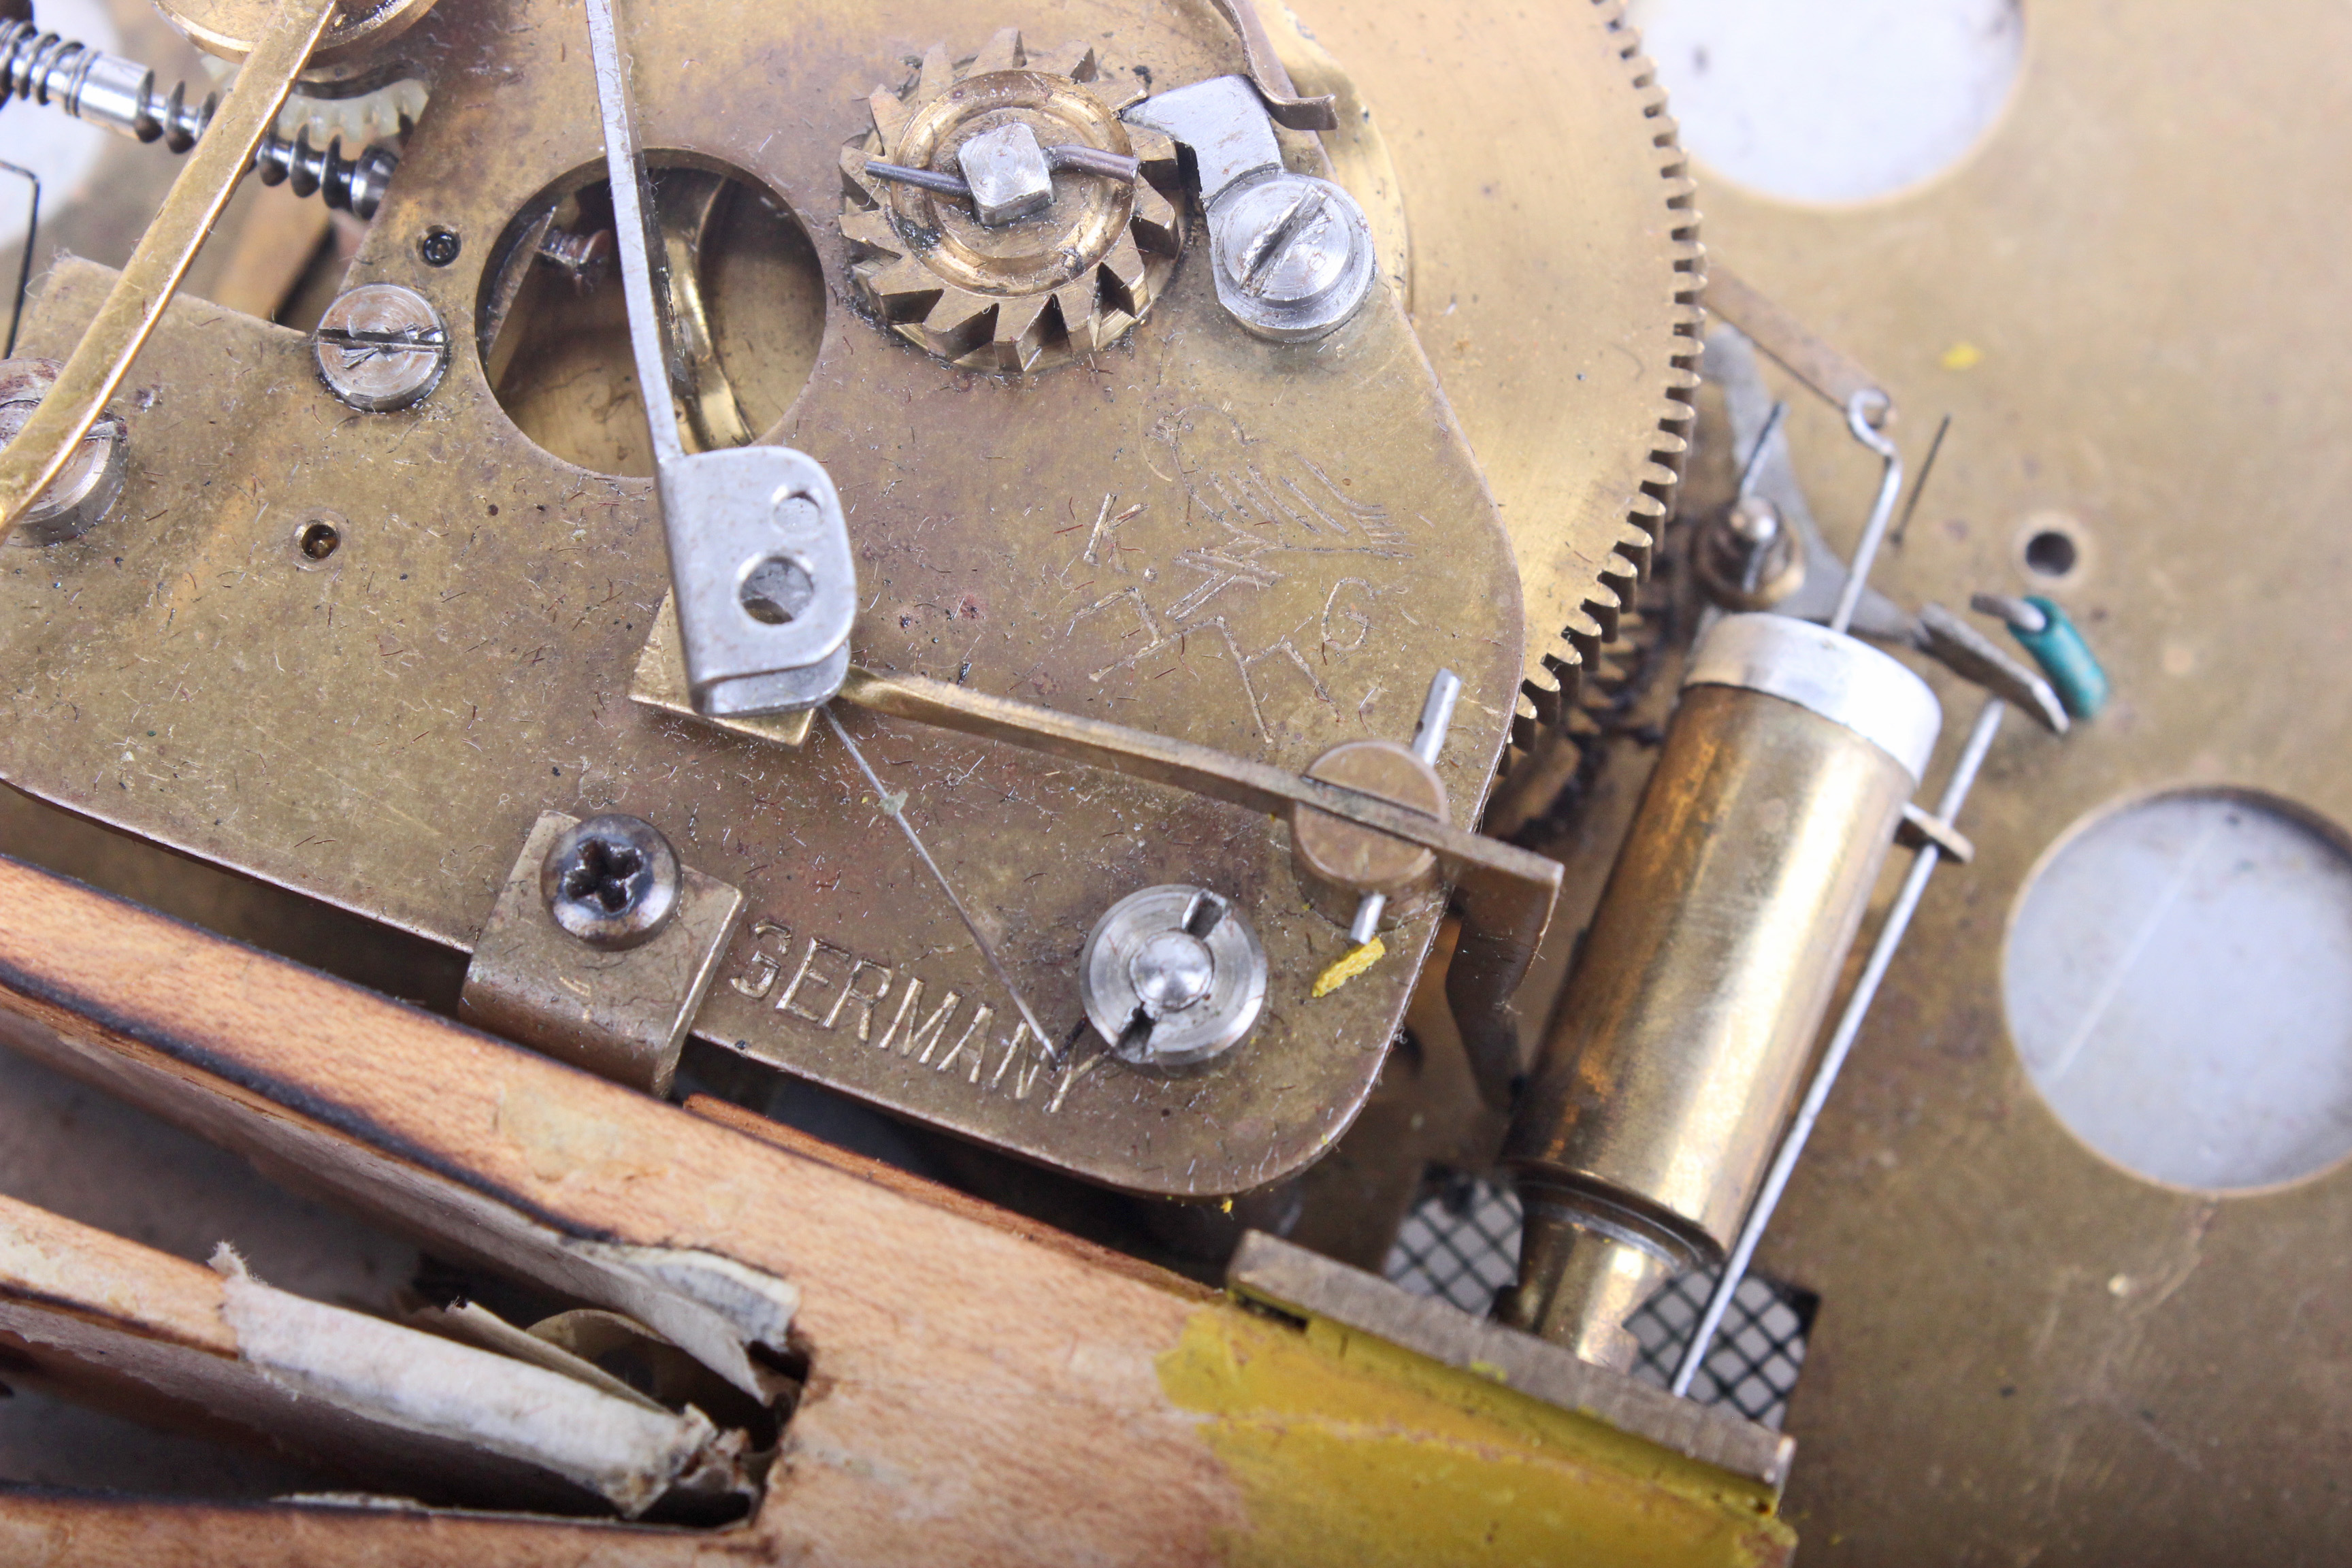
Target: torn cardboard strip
421, 1384
711, 1307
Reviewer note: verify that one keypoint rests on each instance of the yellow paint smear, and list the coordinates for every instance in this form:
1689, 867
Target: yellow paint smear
1348, 1450
1348, 966
1962, 356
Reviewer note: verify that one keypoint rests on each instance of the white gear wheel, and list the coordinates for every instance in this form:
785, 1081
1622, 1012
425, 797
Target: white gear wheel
383, 114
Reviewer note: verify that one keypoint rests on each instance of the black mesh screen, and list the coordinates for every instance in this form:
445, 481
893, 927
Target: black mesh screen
1462, 1243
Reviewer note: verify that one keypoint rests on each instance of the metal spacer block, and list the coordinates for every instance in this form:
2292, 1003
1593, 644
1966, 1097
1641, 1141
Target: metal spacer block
622, 1015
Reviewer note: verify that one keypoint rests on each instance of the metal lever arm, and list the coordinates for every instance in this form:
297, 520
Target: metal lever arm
760, 564
1273, 82
1506, 893
136, 302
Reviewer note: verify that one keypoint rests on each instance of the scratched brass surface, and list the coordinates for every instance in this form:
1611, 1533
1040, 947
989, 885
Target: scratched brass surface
381, 730
1555, 266
94, 367
2024, 1355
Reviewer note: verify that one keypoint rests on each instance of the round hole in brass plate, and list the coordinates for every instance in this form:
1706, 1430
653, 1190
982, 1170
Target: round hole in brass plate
2053, 552
1834, 101
2177, 978
747, 296
316, 537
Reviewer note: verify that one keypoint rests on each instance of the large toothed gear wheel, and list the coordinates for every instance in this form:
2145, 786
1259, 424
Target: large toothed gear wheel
1035, 293
1555, 279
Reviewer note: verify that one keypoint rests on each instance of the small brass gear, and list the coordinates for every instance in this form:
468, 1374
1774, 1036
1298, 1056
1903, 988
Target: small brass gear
1033, 294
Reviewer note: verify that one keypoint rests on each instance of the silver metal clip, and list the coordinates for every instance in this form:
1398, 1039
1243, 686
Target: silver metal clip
760, 569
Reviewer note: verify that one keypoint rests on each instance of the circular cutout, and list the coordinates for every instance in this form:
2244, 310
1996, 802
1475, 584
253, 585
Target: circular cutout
746, 288
2178, 981
316, 539
439, 247
319, 540
775, 591
2050, 553
1833, 100
2052, 549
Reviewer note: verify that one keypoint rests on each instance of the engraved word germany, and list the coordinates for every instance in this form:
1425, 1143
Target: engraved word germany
900, 1015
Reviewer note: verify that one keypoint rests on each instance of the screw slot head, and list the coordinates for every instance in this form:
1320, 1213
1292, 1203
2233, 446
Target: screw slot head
613, 881
85, 491
1293, 255
439, 247
380, 347
1171, 978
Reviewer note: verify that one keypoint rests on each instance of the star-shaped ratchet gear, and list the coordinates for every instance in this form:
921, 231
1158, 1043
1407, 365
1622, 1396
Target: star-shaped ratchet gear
1027, 295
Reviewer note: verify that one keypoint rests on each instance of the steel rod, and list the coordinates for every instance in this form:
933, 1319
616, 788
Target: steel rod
1858, 412
624, 169
1849, 1025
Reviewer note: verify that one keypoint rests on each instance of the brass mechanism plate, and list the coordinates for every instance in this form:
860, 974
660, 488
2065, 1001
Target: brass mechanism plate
1260, 549
2024, 1353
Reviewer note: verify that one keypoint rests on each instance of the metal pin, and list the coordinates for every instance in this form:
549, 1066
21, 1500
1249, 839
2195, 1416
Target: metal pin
24, 264
1858, 410
1849, 1025
1078, 160
1756, 453
2016, 613
921, 179
1095, 160
1428, 741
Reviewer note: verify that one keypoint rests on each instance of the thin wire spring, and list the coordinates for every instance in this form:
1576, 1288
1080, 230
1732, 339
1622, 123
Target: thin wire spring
25, 263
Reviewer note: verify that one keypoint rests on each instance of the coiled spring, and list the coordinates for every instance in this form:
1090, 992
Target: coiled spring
121, 95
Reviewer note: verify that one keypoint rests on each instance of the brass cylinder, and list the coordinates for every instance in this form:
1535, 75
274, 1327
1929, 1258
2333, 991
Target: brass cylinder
1680, 1042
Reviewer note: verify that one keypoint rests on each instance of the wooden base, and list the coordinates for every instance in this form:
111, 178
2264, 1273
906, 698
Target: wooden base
980, 1389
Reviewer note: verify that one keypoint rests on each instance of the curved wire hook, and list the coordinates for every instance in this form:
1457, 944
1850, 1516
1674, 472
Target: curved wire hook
1862, 410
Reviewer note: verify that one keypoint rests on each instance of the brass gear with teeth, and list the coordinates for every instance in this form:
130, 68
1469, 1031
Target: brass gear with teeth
1555, 281
1033, 294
